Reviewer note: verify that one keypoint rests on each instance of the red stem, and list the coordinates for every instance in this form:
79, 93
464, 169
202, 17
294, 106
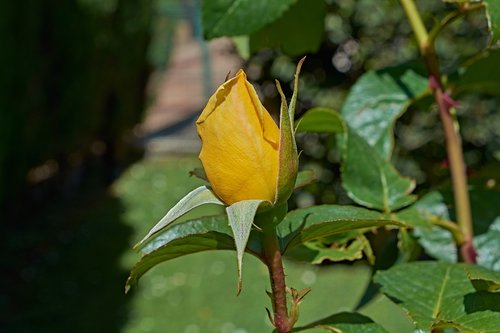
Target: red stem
272, 257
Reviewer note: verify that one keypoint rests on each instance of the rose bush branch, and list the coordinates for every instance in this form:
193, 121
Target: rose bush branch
452, 136
272, 258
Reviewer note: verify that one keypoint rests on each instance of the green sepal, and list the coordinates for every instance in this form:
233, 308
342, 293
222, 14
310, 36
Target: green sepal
288, 156
241, 216
197, 197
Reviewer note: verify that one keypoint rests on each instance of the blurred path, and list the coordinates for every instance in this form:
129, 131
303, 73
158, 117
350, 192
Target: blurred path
168, 126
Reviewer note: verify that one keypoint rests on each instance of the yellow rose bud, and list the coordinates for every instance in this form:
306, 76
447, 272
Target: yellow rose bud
240, 143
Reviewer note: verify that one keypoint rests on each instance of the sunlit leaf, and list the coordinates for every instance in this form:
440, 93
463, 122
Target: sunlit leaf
308, 224
487, 246
436, 241
377, 99
372, 181
439, 295
321, 120
317, 252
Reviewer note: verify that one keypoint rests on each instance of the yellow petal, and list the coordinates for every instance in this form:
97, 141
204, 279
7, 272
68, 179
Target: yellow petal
239, 143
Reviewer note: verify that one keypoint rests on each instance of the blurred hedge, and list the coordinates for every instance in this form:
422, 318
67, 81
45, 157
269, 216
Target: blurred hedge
72, 86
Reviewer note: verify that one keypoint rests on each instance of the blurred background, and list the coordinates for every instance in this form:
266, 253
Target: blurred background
98, 100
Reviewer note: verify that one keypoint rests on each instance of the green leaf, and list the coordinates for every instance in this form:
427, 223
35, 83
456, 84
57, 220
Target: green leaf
241, 215
289, 33
317, 252
203, 234
308, 224
426, 208
485, 212
377, 99
487, 247
408, 246
483, 279
199, 196
439, 295
372, 181
482, 75
239, 17
304, 178
436, 241
242, 46
493, 15
345, 322
321, 120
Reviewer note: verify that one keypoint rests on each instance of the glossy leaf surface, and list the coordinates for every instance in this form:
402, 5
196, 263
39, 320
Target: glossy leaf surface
372, 181
317, 252
439, 295
376, 100
239, 17
308, 224
436, 241
487, 246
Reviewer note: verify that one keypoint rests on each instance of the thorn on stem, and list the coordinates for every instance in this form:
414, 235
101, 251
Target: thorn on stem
270, 317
